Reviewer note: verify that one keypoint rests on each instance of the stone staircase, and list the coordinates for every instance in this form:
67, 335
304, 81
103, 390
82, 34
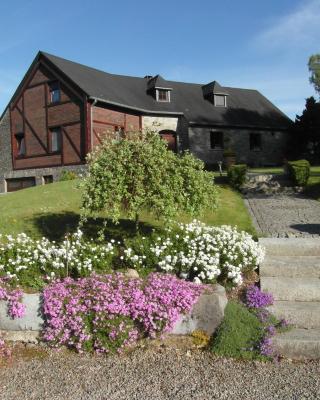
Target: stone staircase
291, 272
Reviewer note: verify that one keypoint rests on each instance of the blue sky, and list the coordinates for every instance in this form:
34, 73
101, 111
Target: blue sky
249, 43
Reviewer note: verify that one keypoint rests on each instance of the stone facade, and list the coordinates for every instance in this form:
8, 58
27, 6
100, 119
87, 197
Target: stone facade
271, 153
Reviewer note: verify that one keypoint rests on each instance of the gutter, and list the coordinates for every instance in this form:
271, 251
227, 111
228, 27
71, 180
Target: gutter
213, 125
97, 99
91, 123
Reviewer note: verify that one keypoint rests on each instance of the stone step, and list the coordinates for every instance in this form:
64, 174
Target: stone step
291, 266
302, 314
298, 344
291, 246
292, 289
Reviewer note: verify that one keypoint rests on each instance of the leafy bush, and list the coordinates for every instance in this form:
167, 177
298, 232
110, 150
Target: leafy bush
136, 174
197, 252
31, 262
107, 313
67, 175
237, 175
299, 172
239, 334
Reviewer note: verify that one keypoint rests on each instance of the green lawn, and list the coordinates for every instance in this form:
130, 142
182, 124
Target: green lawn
52, 210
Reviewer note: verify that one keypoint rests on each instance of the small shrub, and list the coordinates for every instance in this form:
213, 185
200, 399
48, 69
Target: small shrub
197, 252
139, 174
299, 172
239, 334
67, 175
237, 175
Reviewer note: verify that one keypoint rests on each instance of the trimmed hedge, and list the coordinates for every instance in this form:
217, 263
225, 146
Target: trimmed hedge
237, 175
299, 172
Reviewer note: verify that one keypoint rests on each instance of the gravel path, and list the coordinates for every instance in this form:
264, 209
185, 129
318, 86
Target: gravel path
285, 216
154, 374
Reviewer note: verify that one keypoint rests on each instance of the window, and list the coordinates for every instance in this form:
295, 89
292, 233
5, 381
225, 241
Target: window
163, 95
21, 144
55, 95
220, 100
216, 140
47, 179
55, 140
255, 141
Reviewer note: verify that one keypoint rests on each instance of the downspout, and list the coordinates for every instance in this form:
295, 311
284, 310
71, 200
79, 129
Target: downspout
91, 120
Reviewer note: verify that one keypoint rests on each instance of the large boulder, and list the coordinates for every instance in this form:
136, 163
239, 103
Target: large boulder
206, 315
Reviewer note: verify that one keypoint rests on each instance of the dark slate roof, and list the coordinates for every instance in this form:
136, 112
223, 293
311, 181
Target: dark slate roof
245, 107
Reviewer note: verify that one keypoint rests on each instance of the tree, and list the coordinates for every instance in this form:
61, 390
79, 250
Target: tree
314, 68
137, 174
305, 133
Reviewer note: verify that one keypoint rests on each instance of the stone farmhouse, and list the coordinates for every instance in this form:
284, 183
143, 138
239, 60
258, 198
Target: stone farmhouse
61, 110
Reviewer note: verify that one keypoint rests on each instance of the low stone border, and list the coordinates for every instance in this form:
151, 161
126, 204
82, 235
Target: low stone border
206, 315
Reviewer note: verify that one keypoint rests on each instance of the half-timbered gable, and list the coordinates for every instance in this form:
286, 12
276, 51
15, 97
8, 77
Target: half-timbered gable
47, 121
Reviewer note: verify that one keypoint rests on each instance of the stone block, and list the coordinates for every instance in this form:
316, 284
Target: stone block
206, 314
33, 319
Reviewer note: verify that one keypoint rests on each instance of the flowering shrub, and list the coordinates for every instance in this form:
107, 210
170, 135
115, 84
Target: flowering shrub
13, 298
107, 313
255, 298
27, 261
198, 252
257, 301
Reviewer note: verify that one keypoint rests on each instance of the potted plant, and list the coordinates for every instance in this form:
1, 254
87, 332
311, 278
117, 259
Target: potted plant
229, 158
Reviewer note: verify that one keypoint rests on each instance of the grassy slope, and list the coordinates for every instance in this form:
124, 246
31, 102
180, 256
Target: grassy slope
52, 210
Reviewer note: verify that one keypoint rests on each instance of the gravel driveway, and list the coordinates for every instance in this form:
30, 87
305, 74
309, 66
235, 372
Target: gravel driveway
155, 374
285, 216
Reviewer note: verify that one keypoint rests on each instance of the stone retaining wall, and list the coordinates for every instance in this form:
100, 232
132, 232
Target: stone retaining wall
206, 315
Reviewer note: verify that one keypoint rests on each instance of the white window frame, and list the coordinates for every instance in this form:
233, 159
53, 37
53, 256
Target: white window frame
168, 95
220, 95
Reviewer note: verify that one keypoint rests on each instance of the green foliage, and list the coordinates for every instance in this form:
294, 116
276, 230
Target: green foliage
305, 133
314, 68
299, 172
239, 334
67, 175
237, 175
136, 174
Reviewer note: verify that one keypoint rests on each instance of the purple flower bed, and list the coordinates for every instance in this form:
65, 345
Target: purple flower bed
255, 298
107, 313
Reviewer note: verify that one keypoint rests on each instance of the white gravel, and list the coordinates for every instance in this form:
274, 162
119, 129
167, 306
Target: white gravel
156, 374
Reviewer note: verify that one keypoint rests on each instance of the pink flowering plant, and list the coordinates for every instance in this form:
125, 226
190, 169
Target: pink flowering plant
13, 297
106, 313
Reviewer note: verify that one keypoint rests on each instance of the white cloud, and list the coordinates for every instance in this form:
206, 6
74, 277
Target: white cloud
300, 28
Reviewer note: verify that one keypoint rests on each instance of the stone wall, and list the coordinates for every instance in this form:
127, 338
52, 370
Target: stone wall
272, 146
5, 144
160, 123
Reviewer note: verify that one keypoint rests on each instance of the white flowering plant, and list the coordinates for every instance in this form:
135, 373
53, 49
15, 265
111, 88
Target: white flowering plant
197, 252
31, 263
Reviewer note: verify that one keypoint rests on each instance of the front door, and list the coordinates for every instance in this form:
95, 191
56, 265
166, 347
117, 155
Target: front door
171, 139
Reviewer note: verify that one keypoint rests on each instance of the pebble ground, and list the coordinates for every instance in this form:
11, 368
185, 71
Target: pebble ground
285, 216
156, 374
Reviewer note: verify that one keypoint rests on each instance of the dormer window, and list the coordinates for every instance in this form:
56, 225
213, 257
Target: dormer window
220, 100
163, 95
